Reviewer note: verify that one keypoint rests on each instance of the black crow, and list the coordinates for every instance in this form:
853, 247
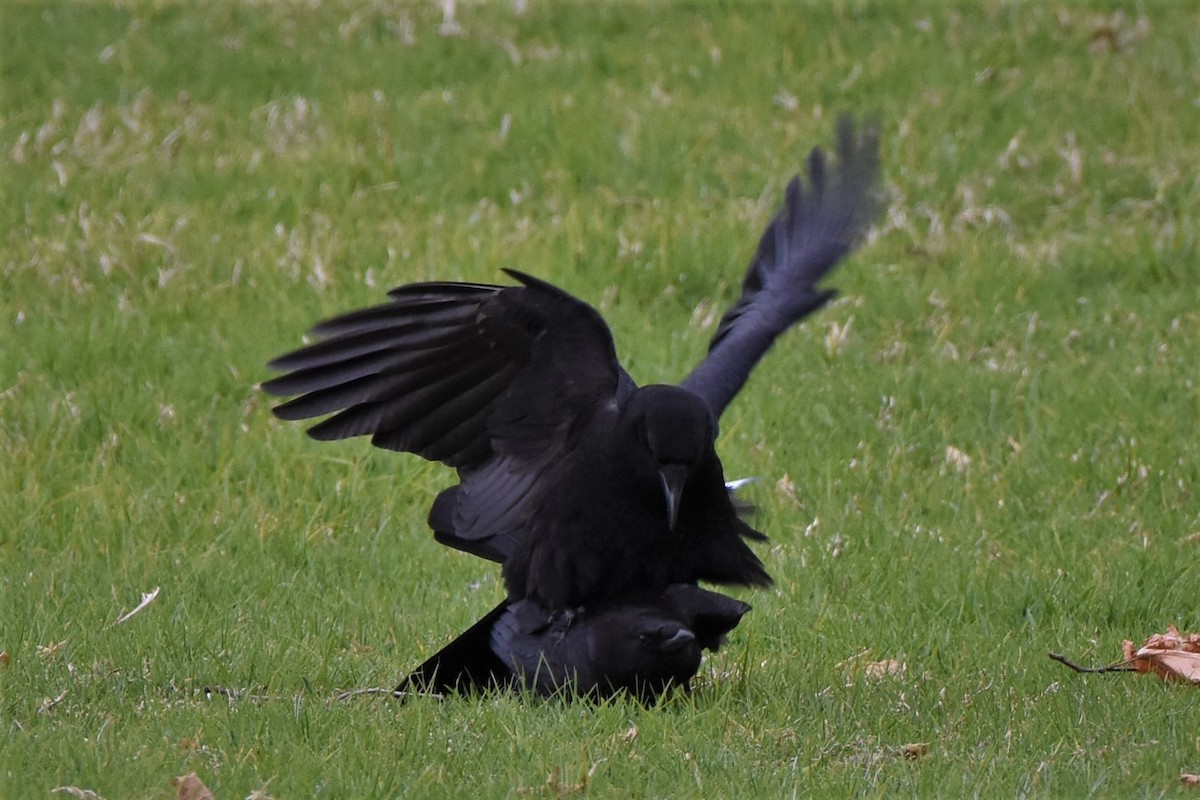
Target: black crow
586, 487
641, 645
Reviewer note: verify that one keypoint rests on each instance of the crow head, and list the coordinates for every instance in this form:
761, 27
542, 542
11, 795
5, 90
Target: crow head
641, 650
667, 432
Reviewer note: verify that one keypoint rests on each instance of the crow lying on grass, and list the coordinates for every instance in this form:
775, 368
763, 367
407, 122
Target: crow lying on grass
644, 646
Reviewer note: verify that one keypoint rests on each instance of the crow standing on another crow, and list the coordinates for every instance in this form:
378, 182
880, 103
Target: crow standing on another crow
588, 489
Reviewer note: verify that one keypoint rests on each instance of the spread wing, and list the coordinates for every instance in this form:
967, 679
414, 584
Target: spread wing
455, 372
817, 227
491, 380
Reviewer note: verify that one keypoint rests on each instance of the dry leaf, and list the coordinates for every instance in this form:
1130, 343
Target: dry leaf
786, 487
915, 750
1172, 665
1189, 779
837, 336
957, 458
75, 791
877, 670
50, 650
48, 703
1169, 655
192, 788
4, 658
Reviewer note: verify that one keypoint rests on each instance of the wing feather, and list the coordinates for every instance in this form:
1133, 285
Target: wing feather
817, 227
491, 380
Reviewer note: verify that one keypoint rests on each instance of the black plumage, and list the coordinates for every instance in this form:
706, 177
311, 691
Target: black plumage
643, 645
587, 488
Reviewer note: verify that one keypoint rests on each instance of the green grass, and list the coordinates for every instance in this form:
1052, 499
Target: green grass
187, 187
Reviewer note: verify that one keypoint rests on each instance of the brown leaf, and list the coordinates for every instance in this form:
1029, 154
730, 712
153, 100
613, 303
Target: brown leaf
1169, 655
915, 750
1189, 779
191, 787
1172, 665
4, 658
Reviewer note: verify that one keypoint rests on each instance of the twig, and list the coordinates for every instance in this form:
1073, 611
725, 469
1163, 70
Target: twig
400, 694
1117, 666
239, 694
347, 695
243, 694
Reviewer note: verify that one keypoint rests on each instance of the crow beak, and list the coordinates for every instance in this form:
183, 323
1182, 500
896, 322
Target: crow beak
677, 642
673, 477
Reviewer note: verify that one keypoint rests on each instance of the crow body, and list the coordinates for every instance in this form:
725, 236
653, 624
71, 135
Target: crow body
587, 488
643, 645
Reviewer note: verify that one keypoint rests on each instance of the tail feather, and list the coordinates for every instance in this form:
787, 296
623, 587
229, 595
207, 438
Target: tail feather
466, 665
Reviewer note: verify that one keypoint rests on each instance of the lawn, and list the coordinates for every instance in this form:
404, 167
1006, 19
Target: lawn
986, 449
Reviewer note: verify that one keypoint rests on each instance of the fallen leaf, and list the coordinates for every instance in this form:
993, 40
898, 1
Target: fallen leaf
837, 336
48, 703
914, 750
1169, 655
49, 650
786, 487
1189, 779
191, 787
1172, 665
957, 458
75, 791
877, 670
4, 658
1173, 640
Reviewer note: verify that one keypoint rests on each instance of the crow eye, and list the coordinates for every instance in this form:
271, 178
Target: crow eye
644, 638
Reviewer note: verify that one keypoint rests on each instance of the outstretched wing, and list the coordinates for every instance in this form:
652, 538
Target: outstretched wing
455, 372
817, 227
